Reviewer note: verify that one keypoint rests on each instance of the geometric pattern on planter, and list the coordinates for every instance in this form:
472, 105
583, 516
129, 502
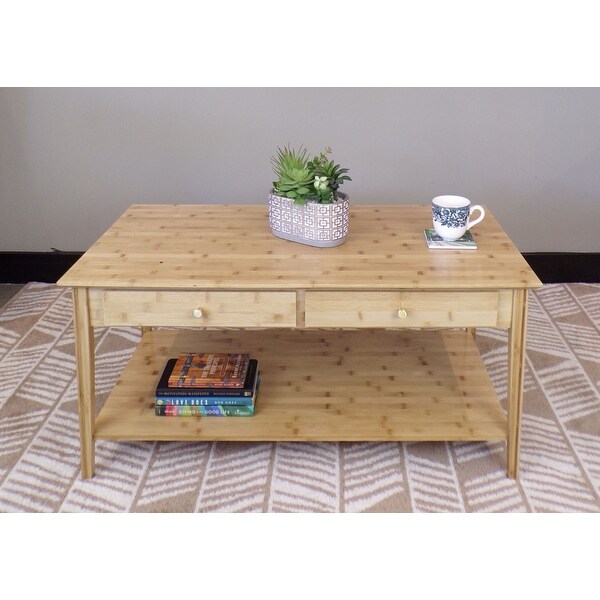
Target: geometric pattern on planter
314, 224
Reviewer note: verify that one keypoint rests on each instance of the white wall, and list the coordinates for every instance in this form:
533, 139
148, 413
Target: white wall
72, 159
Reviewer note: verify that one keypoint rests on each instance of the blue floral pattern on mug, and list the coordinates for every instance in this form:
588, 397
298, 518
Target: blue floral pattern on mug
451, 217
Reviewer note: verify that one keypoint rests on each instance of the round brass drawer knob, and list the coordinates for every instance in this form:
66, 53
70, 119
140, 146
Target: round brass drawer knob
197, 313
402, 314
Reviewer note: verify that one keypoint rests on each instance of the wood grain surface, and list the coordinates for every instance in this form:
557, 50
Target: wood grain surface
321, 385
231, 247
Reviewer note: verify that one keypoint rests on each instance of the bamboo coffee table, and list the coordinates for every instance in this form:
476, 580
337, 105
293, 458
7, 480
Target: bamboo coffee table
369, 341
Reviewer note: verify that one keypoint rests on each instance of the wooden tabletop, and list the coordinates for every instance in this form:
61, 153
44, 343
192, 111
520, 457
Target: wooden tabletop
232, 247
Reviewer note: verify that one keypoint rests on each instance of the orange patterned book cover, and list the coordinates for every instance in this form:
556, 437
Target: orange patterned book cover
210, 369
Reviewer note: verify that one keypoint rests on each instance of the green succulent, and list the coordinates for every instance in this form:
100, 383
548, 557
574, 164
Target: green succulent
305, 180
294, 180
321, 167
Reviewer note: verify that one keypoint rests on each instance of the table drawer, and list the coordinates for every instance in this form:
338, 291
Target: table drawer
408, 309
195, 309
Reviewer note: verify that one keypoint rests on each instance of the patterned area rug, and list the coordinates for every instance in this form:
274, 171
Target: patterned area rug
39, 444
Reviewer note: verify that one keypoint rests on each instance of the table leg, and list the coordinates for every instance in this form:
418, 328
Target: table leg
84, 350
516, 366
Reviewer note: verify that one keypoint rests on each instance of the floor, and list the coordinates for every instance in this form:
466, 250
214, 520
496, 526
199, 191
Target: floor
8, 290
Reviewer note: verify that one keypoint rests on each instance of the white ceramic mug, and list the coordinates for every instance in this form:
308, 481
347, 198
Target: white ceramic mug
451, 216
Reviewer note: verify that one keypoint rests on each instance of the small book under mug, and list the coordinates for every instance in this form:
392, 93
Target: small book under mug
466, 242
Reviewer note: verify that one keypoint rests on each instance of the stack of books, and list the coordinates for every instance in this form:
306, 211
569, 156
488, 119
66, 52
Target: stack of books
208, 384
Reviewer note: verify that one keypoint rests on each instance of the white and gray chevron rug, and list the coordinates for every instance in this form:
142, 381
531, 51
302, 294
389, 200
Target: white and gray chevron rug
39, 445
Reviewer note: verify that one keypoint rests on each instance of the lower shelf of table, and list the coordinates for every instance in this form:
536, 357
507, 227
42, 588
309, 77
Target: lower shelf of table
328, 385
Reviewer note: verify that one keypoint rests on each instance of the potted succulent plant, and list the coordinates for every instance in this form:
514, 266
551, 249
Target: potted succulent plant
305, 204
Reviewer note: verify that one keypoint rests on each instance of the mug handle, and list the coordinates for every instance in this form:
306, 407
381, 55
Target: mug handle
479, 218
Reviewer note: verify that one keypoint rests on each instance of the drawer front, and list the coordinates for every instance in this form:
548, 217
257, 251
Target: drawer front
408, 309
196, 309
